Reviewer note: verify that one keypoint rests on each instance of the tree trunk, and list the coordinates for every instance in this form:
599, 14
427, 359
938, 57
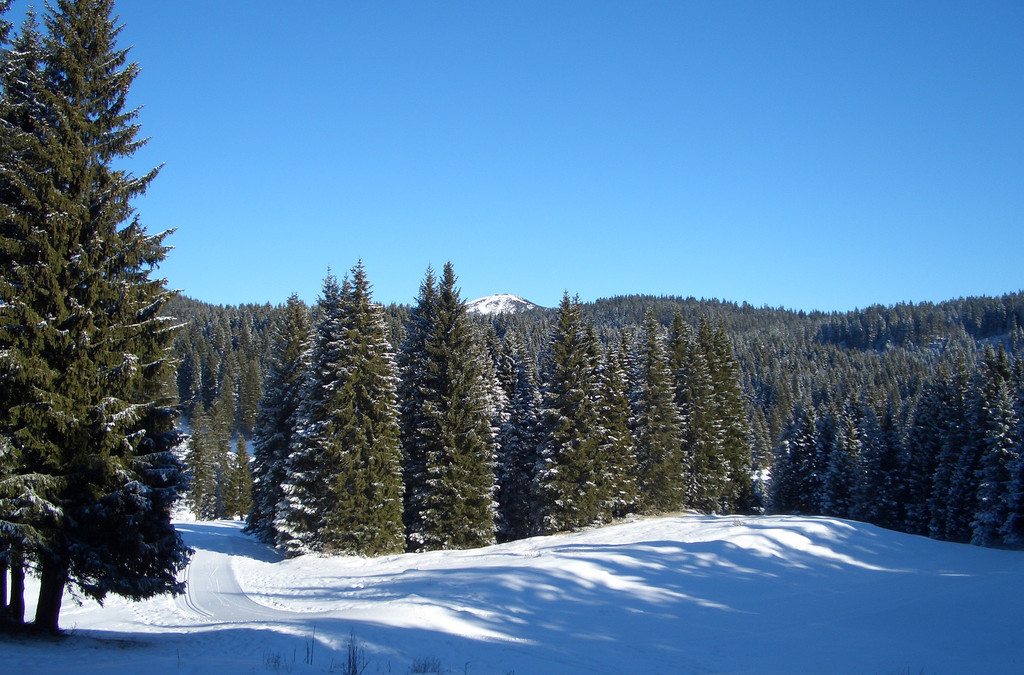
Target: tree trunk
53, 578
16, 606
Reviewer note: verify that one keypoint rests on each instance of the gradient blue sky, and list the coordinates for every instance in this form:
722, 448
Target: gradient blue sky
811, 155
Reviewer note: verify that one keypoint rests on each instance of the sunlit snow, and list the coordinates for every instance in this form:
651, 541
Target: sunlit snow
686, 594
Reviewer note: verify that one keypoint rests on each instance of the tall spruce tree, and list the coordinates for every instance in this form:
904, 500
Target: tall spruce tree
416, 382
1001, 449
81, 319
312, 456
657, 428
366, 518
731, 427
568, 477
518, 442
457, 507
343, 490
621, 491
275, 418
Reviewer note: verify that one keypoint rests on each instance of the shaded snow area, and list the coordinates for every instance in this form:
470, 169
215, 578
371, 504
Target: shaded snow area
499, 304
688, 594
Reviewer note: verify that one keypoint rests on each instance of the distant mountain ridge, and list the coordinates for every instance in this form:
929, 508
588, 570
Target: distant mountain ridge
502, 303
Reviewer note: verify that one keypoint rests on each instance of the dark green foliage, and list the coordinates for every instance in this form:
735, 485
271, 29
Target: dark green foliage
569, 476
86, 372
518, 443
454, 441
658, 429
238, 482
343, 489
275, 419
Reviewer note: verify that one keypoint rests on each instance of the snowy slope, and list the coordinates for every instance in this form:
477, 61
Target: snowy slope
498, 304
689, 594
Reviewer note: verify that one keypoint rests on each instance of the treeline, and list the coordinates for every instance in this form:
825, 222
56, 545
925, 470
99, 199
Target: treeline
947, 464
464, 437
788, 365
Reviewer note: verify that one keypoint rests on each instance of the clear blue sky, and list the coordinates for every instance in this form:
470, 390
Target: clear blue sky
812, 155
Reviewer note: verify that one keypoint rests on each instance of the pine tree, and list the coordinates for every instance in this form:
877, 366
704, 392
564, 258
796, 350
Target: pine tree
567, 477
796, 467
238, 488
657, 428
732, 428
876, 499
457, 507
417, 380
518, 442
80, 309
299, 520
366, 518
343, 489
955, 466
921, 455
619, 448
275, 418
841, 470
1000, 451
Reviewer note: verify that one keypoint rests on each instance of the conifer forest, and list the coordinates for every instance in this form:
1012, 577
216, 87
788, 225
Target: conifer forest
349, 427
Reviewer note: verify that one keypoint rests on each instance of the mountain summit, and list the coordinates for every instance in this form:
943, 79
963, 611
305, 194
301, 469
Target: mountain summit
499, 304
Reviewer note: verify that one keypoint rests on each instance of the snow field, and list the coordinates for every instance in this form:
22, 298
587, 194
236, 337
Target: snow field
686, 594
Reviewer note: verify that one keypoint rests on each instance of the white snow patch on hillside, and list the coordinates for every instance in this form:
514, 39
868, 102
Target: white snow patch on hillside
500, 304
688, 594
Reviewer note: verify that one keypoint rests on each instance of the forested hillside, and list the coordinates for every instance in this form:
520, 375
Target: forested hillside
904, 416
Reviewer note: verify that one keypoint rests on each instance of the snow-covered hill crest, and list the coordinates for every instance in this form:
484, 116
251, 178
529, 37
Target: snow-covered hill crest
500, 304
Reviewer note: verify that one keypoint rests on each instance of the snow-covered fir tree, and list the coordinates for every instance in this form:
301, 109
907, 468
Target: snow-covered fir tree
1001, 449
416, 380
621, 493
275, 418
568, 476
343, 490
299, 520
518, 442
454, 442
657, 428
238, 482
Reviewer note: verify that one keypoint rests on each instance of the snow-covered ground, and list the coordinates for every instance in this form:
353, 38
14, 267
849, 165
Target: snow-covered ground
688, 594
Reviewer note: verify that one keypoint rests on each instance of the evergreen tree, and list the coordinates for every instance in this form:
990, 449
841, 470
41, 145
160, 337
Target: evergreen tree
843, 459
457, 507
730, 418
81, 317
954, 467
1001, 449
417, 381
795, 470
921, 455
299, 520
518, 443
366, 518
657, 429
238, 487
876, 498
343, 488
275, 418
619, 448
205, 461
567, 475
706, 469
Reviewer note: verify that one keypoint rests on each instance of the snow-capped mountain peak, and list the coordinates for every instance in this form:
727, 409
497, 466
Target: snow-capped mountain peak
500, 303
